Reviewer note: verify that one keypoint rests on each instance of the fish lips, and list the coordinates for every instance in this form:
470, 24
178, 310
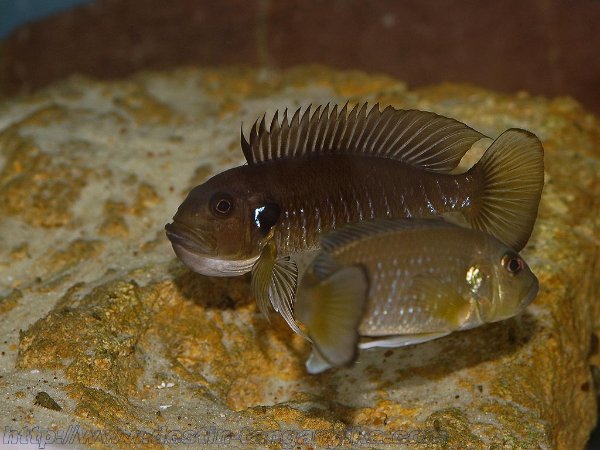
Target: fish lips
182, 236
533, 291
196, 254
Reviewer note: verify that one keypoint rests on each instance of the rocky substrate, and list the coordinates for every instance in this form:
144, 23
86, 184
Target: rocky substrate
102, 328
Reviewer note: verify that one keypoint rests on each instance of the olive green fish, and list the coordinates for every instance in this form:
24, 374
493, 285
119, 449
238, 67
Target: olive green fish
312, 173
390, 283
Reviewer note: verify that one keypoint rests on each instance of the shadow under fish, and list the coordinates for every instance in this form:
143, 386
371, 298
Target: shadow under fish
315, 172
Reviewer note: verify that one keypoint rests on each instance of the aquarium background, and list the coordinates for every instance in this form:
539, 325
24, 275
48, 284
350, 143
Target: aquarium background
15, 13
545, 47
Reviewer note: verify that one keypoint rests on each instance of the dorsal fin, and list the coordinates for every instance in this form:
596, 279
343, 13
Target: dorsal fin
419, 138
356, 231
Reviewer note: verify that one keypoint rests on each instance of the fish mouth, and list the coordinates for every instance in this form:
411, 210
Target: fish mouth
184, 236
533, 291
195, 253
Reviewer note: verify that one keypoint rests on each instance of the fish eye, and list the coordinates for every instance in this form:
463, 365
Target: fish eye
512, 263
221, 204
266, 217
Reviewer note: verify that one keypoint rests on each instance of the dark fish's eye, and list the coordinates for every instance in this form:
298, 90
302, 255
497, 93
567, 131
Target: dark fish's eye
266, 217
512, 263
221, 204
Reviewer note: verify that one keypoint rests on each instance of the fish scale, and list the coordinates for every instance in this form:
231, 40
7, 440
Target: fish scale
419, 194
416, 258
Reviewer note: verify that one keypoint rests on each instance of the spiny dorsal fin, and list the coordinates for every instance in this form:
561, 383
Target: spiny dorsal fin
419, 138
356, 231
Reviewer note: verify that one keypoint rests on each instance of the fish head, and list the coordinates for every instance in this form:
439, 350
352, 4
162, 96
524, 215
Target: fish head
510, 284
222, 225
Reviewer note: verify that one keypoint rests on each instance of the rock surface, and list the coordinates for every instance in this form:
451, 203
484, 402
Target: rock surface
102, 327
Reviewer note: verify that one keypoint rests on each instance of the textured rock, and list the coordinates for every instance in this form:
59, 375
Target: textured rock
98, 318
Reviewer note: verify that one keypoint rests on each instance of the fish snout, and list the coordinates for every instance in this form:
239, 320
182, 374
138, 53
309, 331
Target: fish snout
183, 236
196, 253
513, 300
531, 293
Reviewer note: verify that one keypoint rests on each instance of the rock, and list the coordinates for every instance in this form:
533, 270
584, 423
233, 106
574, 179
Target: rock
98, 314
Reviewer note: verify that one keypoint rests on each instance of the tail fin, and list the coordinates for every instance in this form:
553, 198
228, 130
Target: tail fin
332, 309
511, 173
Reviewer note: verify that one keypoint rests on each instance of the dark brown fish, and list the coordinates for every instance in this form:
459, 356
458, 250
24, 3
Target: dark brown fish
313, 173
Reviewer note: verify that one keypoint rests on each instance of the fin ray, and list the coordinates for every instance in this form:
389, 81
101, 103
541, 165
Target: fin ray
274, 282
512, 177
282, 290
420, 138
261, 277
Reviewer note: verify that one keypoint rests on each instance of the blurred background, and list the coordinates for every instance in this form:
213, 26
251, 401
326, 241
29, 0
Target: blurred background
546, 47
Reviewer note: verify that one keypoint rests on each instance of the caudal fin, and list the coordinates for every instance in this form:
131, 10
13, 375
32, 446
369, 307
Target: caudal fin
332, 309
512, 176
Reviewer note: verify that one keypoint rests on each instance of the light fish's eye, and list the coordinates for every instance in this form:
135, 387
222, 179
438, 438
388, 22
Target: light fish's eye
221, 204
512, 263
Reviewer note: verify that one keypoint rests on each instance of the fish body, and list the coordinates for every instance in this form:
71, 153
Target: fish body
316, 194
393, 283
310, 175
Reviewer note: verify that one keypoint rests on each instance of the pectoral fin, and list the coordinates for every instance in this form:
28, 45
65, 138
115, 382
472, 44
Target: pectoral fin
400, 340
262, 272
282, 290
274, 282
